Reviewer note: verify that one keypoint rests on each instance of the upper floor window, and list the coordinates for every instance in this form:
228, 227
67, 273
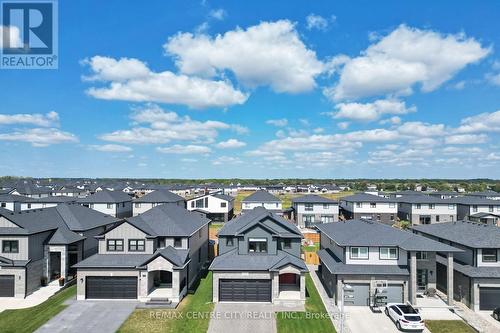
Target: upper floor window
229, 241
422, 255
327, 218
123, 204
373, 205
109, 206
451, 206
308, 206
177, 242
287, 243
359, 253
137, 205
257, 245
114, 245
490, 209
192, 204
432, 206
29, 206
223, 204
199, 203
489, 255
277, 205
136, 245
392, 204
326, 206
388, 253
474, 208
418, 206
359, 204
10, 246
4, 204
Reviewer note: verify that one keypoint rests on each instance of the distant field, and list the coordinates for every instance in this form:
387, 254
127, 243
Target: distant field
286, 199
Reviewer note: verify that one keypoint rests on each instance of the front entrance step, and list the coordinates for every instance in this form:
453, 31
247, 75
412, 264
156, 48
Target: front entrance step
158, 303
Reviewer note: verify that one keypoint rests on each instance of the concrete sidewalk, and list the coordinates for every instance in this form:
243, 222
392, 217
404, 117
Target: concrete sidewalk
38, 297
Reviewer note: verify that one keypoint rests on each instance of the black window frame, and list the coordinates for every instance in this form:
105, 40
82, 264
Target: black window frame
177, 239
10, 242
287, 243
258, 247
388, 247
137, 245
223, 204
115, 246
308, 207
359, 247
229, 241
495, 254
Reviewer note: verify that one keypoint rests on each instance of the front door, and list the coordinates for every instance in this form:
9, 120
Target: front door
422, 276
73, 259
55, 265
165, 277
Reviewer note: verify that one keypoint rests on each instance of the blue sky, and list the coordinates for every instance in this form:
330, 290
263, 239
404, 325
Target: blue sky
194, 89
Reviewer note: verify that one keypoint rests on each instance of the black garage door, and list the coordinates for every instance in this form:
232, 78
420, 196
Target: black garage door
111, 287
6, 285
489, 298
244, 290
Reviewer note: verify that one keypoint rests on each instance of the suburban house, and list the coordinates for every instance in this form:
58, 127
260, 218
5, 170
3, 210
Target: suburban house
13, 202
486, 218
156, 255
468, 206
476, 269
310, 209
424, 209
43, 244
217, 207
155, 198
114, 203
375, 263
69, 191
259, 260
489, 194
369, 207
264, 199
47, 202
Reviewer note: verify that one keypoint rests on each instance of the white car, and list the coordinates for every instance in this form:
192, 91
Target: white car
405, 316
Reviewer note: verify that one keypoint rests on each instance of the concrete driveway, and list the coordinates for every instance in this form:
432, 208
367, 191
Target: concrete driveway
90, 316
241, 318
361, 319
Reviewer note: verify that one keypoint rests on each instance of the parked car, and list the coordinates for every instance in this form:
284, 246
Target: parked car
496, 313
405, 316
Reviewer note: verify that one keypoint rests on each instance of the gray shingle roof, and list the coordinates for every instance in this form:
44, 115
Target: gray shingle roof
160, 196
224, 197
106, 196
15, 198
365, 197
423, 199
168, 220
336, 266
474, 201
232, 261
370, 233
471, 234
474, 272
313, 198
261, 196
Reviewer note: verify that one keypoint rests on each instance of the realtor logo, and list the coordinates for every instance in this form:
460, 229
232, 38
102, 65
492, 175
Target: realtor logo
29, 34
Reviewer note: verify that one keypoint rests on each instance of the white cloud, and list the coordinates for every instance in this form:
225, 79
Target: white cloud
343, 125
231, 143
227, 160
406, 56
188, 149
278, 122
493, 78
493, 157
484, 122
218, 14
131, 80
270, 53
465, 139
420, 129
318, 22
392, 120
371, 111
13, 34
39, 137
44, 120
111, 148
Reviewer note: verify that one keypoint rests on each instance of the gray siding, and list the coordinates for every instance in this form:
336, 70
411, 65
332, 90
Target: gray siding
23, 248
257, 232
36, 245
91, 244
125, 231
34, 274
198, 251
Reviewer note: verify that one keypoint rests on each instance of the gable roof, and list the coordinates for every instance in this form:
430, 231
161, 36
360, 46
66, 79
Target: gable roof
471, 200
106, 196
423, 199
178, 257
261, 196
369, 233
313, 198
471, 234
160, 196
365, 197
224, 197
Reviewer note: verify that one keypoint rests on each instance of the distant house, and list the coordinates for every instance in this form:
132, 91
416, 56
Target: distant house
486, 218
467, 206
46, 243
155, 198
264, 199
114, 203
69, 191
259, 260
369, 207
310, 209
217, 207
492, 195
424, 209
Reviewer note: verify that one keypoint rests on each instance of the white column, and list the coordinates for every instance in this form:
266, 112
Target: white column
413, 277
449, 276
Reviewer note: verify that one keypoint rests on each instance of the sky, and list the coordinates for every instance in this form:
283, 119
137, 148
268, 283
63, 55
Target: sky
260, 89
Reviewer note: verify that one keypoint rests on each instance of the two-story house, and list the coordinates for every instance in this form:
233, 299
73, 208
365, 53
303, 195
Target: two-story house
377, 262
470, 206
42, 244
158, 254
477, 268
217, 207
155, 198
264, 199
369, 207
424, 209
259, 260
310, 209
114, 203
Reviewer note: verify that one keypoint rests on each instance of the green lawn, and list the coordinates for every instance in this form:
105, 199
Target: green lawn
30, 319
313, 320
448, 326
175, 320
310, 248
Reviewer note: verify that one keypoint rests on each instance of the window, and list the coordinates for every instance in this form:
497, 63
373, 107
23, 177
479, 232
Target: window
114, 245
359, 253
91, 206
223, 204
421, 255
418, 206
326, 206
378, 217
177, 242
451, 207
474, 208
326, 218
10, 246
307, 219
206, 202
4, 204
199, 255
359, 204
287, 243
277, 205
123, 204
490, 209
137, 205
229, 241
489, 255
136, 245
199, 203
432, 206
192, 204
373, 205
437, 218
392, 204
392, 217
257, 245
29, 206
388, 253
109, 206
308, 207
